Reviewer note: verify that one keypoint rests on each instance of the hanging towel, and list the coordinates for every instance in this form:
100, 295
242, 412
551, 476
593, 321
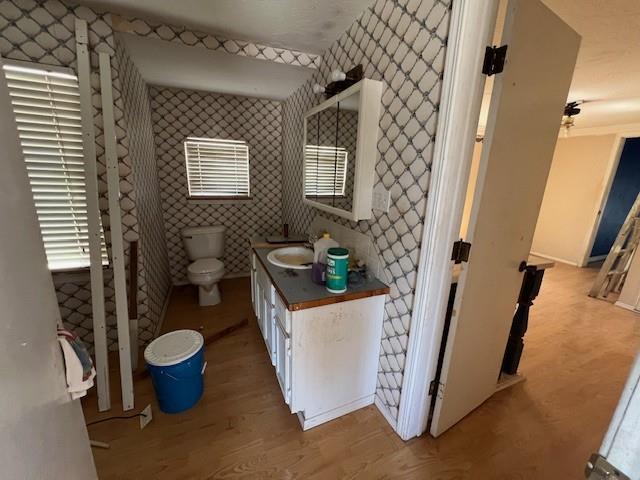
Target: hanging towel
78, 364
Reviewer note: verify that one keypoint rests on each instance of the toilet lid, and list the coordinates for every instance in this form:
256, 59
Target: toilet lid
206, 265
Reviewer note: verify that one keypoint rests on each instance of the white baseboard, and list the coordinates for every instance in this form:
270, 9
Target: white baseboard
626, 306
236, 275
597, 258
228, 275
385, 412
556, 259
308, 423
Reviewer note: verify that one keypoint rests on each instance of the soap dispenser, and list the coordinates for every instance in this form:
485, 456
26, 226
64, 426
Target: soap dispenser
320, 248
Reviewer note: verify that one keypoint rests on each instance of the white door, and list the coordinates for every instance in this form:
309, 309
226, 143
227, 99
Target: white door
621, 444
42, 431
524, 118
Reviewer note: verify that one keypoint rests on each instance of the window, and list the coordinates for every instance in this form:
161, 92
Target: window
46, 105
217, 168
325, 170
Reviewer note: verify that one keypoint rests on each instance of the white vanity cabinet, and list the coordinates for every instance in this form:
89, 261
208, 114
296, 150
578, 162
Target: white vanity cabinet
264, 294
325, 356
283, 359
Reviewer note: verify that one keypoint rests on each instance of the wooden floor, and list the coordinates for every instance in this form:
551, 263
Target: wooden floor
577, 354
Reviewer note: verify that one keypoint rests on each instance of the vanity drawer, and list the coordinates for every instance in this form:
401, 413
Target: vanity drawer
283, 314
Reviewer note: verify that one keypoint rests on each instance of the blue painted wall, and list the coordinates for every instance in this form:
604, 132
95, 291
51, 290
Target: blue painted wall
624, 190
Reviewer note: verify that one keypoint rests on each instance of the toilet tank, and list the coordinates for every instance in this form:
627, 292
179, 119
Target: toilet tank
204, 242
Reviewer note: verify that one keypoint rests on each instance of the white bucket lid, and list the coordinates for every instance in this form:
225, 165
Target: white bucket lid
173, 348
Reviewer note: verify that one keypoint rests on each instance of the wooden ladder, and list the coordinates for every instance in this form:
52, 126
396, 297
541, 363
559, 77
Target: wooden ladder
614, 270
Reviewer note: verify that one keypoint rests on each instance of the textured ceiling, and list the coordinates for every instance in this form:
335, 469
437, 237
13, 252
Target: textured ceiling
306, 25
607, 74
201, 69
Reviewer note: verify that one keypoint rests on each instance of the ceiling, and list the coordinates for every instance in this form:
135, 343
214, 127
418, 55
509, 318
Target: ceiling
607, 74
202, 69
306, 25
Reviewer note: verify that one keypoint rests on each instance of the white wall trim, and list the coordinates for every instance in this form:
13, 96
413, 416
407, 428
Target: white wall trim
471, 28
627, 130
93, 218
236, 275
385, 412
626, 306
597, 258
117, 242
556, 259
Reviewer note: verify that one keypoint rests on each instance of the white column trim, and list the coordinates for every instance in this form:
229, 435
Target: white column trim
117, 242
471, 29
93, 218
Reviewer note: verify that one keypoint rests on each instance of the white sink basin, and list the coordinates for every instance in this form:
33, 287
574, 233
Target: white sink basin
299, 258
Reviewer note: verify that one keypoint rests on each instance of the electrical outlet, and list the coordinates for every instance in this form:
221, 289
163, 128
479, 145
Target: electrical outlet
381, 199
145, 416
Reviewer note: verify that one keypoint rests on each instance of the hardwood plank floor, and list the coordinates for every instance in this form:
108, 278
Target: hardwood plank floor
576, 359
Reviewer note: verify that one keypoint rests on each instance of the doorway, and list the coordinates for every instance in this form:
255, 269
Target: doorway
625, 187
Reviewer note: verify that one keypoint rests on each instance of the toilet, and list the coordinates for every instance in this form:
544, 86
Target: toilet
205, 247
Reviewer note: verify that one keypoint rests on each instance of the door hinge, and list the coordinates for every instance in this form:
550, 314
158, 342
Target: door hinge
460, 251
598, 468
435, 387
432, 387
494, 58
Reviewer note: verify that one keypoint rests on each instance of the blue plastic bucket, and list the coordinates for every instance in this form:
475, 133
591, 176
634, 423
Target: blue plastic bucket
176, 363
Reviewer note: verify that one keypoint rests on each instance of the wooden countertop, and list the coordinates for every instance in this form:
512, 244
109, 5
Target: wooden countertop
540, 263
298, 291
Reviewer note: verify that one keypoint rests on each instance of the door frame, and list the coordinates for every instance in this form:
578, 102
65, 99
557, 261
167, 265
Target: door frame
612, 168
471, 28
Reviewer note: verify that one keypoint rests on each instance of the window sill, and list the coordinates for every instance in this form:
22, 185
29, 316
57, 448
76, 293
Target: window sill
72, 275
217, 200
339, 197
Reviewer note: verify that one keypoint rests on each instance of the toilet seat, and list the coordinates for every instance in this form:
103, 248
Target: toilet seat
206, 265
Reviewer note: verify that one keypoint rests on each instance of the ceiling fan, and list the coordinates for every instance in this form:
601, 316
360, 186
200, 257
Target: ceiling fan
570, 111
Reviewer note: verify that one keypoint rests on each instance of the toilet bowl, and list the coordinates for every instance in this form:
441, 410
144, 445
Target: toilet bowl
206, 273
205, 247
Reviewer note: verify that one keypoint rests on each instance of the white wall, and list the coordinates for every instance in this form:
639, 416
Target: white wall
577, 182
630, 295
576, 186
42, 433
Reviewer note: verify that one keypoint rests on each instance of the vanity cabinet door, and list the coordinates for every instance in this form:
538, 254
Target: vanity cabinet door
283, 361
268, 332
252, 270
259, 306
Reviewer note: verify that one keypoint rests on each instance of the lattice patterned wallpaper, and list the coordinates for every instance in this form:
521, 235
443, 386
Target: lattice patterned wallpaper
44, 32
154, 279
401, 43
193, 38
178, 114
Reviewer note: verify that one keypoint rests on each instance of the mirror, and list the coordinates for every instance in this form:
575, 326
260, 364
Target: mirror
330, 153
333, 161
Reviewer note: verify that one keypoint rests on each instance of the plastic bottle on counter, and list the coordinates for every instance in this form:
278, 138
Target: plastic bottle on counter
319, 266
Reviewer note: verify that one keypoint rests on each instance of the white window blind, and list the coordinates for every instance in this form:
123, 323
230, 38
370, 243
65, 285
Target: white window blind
46, 105
325, 170
217, 167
